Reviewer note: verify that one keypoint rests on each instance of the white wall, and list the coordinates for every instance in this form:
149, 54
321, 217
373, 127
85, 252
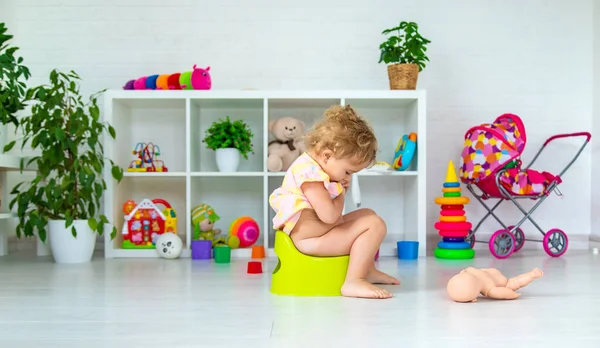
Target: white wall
532, 58
595, 212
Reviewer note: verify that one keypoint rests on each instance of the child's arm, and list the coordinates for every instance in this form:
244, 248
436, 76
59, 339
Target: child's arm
328, 210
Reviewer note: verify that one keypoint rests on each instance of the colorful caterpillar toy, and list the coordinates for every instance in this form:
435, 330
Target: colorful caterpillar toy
196, 79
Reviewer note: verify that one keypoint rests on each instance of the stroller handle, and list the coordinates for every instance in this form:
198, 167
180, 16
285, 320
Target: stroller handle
568, 135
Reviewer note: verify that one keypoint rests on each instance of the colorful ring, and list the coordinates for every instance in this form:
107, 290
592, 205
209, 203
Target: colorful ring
451, 189
455, 254
452, 200
451, 194
452, 206
453, 233
451, 184
454, 226
452, 213
453, 218
453, 239
454, 245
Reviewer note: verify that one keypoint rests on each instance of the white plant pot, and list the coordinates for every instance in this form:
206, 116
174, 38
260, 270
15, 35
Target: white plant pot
68, 249
228, 159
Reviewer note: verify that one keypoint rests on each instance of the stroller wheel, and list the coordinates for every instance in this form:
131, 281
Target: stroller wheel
502, 244
470, 239
555, 242
519, 237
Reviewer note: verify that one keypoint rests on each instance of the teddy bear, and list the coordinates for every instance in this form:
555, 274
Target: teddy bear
203, 221
287, 145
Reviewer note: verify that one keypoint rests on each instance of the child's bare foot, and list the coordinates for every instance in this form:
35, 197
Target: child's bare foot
375, 276
536, 273
362, 288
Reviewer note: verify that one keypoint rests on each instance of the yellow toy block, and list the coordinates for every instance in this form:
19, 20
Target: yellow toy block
297, 274
451, 173
453, 218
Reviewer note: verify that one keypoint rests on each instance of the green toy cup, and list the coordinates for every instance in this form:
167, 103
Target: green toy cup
222, 254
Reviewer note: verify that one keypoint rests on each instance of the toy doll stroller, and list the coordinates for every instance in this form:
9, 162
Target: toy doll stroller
490, 161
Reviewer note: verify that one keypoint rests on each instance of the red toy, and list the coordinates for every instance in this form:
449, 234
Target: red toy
144, 223
147, 159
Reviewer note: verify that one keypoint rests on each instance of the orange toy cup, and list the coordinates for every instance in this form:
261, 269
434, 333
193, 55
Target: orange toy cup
258, 252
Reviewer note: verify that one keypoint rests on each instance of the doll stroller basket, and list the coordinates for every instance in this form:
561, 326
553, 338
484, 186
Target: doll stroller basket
490, 162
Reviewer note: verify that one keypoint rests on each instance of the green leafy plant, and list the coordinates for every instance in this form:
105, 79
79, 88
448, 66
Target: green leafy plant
407, 46
227, 134
12, 74
67, 132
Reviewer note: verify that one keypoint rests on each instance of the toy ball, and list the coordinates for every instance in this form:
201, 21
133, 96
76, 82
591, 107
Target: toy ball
246, 229
169, 246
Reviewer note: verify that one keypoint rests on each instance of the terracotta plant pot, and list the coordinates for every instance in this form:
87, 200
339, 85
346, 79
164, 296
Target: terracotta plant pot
403, 76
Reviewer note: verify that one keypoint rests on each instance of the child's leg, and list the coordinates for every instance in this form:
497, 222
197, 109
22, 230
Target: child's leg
374, 276
359, 237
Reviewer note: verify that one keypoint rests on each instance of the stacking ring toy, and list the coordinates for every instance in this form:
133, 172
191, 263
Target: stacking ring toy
456, 254
451, 200
452, 207
453, 233
455, 226
450, 189
453, 218
451, 184
246, 229
453, 239
452, 213
454, 245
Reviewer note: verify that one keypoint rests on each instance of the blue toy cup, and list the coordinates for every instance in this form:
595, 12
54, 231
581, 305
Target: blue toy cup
408, 250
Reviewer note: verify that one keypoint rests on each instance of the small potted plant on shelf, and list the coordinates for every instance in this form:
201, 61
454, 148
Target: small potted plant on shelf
65, 195
229, 140
12, 85
404, 51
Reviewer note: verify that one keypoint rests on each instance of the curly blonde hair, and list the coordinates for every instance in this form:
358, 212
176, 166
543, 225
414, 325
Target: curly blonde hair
345, 133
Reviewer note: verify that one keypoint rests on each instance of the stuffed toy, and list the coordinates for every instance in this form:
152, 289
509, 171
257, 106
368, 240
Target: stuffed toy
203, 221
287, 145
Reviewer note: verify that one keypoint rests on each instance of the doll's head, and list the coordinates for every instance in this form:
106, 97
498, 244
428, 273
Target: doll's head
205, 217
463, 287
343, 143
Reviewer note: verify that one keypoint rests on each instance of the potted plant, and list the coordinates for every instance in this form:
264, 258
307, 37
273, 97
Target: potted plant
404, 51
12, 86
65, 195
229, 140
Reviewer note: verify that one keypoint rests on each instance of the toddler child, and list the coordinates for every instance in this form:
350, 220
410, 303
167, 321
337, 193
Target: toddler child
309, 203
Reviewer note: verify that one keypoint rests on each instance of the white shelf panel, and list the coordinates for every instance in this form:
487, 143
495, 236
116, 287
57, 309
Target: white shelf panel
13, 162
227, 174
154, 174
4, 216
177, 122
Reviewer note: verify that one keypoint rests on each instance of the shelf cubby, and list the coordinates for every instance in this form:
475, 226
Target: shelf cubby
177, 121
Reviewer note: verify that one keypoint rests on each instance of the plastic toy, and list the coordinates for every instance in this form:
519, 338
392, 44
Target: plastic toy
246, 229
169, 246
490, 161
147, 159
254, 267
222, 254
144, 223
297, 274
201, 249
489, 282
197, 78
453, 225
258, 252
408, 250
203, 221
405, 151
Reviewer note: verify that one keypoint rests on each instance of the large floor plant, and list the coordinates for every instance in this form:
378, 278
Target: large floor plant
67, 191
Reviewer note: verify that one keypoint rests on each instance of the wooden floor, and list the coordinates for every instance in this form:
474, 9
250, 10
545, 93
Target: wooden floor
185, 303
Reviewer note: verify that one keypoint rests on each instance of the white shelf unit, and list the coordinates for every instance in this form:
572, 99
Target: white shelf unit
177, 121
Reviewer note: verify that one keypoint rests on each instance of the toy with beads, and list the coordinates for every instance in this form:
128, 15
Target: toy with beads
453, 225
147, 159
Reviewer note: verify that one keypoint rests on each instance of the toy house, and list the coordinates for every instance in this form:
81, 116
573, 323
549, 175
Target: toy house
144, 223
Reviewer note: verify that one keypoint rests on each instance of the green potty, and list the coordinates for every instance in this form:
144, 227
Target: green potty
185, 80
222, 254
